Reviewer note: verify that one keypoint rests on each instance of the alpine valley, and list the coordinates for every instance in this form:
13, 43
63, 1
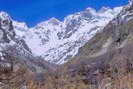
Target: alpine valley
87, 50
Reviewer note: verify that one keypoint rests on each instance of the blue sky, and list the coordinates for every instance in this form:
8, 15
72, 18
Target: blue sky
35, 11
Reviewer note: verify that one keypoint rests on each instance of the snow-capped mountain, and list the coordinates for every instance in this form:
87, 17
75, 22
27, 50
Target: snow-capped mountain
13, 49
58, 41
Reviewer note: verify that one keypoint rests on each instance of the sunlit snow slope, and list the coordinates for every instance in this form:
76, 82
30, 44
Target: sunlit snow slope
58, 41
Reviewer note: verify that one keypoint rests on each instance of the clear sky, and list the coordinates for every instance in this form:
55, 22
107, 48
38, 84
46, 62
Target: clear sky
35, 11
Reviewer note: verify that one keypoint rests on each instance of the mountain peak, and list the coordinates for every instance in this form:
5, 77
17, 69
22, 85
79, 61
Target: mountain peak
54, 21
4, 15
104, 9
90, 10
5, 20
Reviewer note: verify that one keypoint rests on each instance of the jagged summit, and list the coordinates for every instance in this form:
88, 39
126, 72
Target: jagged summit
54, 21
4, 15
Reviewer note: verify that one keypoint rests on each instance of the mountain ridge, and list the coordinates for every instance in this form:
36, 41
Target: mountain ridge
55, 40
